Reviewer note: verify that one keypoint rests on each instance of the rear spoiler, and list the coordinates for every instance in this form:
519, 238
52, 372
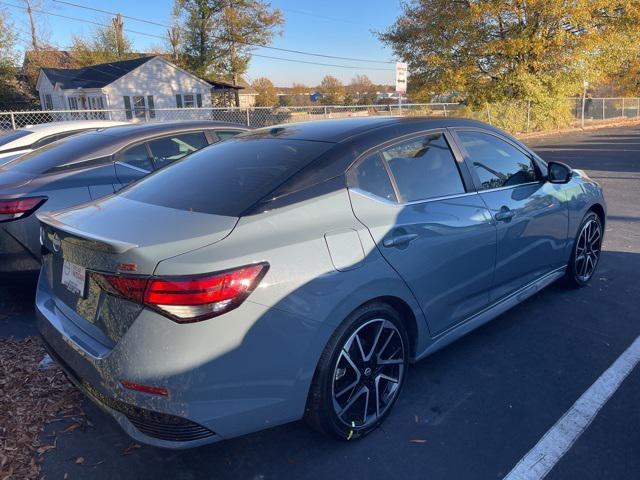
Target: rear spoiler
100, 242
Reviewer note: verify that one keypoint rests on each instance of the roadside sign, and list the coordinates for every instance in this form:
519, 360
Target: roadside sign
401, 77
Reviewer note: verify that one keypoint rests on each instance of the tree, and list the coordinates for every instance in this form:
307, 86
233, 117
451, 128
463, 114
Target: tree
8, 59
106, 44
219, 35
492, 50
363, 89
300, 95
332, 90
266, 92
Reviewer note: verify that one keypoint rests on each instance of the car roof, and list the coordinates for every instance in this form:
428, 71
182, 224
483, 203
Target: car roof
63, 126
338, 130
142, 130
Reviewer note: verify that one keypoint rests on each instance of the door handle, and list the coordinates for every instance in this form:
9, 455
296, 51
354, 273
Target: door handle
505, 214
399, 240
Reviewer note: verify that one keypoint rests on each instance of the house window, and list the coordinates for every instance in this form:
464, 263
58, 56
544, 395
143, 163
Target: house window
73, 103
189, 100
138, 106
48, 101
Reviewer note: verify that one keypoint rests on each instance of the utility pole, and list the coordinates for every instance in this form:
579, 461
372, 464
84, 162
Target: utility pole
118, 26
232, 52
34, 39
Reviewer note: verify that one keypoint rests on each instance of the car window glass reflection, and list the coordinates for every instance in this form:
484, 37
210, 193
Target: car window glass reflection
424, 168
497, 163
137, 156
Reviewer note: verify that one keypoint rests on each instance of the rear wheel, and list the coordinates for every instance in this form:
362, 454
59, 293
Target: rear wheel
360, 373
586, 251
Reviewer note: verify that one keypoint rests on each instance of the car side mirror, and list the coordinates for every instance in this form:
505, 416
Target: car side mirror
559, 172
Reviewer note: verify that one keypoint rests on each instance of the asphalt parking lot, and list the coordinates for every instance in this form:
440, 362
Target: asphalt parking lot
472, 410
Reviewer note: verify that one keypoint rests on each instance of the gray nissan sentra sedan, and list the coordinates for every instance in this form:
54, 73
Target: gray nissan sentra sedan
83, 168
295, 271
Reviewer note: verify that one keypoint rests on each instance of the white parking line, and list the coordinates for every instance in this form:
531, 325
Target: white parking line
558, 440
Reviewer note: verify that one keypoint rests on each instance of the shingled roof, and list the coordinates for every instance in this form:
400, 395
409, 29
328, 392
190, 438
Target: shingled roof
94, 76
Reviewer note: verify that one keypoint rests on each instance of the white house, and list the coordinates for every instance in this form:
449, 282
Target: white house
135, 89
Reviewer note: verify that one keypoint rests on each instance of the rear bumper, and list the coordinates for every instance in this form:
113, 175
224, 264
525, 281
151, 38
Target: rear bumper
238, 373
15, 255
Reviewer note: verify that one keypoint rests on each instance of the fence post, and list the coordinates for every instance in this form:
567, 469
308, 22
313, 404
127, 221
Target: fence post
445, 109
390, 111
146, 114
248, 119
584, 103
13, 121
603, 108
623, 112
638, 111
325, 112
528, 114
489, 114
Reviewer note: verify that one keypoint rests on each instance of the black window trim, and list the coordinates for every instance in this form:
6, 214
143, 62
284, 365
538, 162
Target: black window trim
467, 158
467, 181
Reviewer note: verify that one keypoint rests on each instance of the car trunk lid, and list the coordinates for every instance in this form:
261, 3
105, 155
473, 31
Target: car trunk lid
116, 235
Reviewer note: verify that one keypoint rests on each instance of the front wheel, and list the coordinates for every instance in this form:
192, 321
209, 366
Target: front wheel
586, 251
360, 373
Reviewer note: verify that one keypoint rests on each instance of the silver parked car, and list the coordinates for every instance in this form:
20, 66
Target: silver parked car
294, 271
14, 143
86, 167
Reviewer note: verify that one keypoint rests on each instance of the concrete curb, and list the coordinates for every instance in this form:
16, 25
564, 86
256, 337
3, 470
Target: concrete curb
600, 126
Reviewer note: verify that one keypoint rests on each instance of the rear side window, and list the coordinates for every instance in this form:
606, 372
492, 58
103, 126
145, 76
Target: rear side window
137, 156
424, 167
169, 149
229, 177
226, 134
370, 175
496, 162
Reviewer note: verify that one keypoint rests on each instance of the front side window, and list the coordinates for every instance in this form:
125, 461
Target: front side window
137, 156
169, 149
496, 162
424, 167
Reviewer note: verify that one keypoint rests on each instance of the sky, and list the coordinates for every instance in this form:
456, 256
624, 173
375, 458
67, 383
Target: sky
331, 27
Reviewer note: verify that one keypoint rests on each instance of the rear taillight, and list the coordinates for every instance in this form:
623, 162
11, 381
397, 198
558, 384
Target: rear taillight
19, 207
188, 299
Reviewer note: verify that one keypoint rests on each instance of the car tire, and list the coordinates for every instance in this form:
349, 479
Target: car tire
363, 365
586, 251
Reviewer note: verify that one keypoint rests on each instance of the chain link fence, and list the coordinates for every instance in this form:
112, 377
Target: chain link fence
514, 116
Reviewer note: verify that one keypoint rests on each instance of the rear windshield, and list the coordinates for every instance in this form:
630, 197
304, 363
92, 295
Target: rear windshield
229, 177
70, 149
12, 135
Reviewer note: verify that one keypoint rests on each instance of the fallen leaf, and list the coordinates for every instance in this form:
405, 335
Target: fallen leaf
79, 460
71, 428
418, 440
129, 450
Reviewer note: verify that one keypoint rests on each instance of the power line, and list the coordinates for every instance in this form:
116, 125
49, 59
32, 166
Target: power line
158, 36
300, 52
37, 10
323, 64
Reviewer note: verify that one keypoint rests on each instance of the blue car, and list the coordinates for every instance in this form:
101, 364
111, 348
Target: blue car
295, 271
